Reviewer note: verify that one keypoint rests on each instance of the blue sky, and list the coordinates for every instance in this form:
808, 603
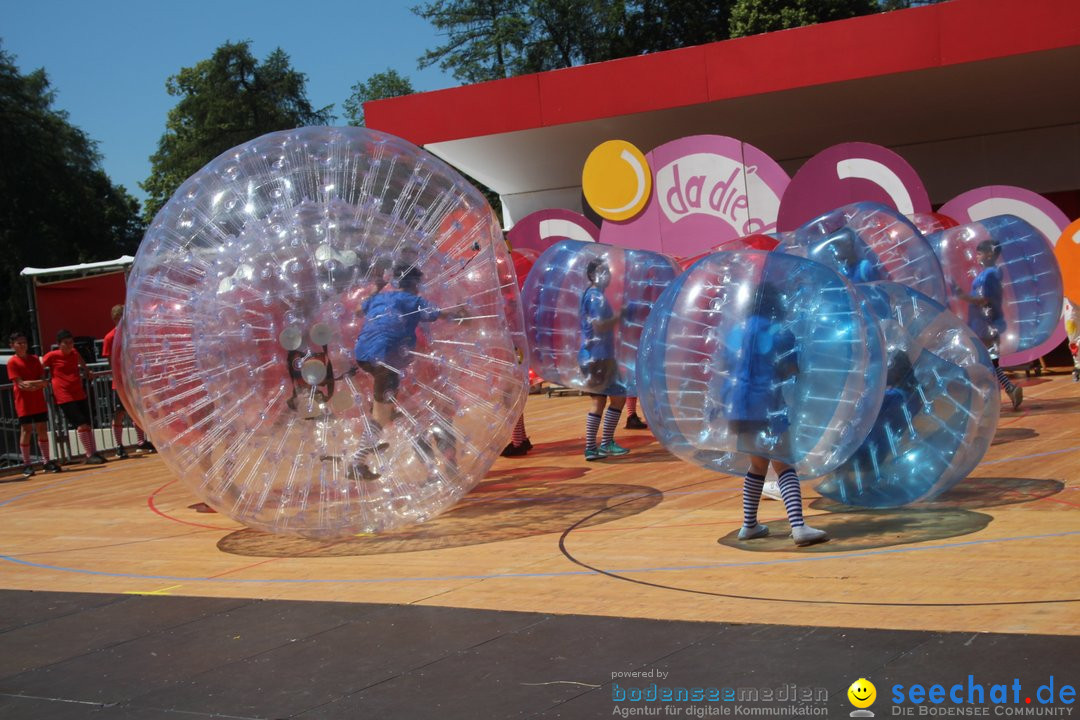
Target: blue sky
108, 60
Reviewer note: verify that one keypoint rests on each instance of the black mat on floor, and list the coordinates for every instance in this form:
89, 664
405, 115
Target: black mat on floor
68, 655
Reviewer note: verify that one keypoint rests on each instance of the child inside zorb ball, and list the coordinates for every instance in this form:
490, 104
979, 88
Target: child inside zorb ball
316, 335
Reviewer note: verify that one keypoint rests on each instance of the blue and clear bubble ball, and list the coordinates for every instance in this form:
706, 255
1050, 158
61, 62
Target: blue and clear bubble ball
586, 305
764, 354
1005, 281
939, 412
867, 242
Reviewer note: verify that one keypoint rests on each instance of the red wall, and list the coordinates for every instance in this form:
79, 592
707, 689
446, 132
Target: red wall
82, 306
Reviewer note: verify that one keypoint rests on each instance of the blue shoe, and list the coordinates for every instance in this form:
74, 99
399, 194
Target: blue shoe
612, 449
591, 455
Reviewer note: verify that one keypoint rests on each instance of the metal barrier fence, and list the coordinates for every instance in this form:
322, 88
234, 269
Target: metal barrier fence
63, 443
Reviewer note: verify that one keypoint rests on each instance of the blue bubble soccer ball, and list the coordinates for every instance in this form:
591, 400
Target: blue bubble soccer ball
766, 354
940, 408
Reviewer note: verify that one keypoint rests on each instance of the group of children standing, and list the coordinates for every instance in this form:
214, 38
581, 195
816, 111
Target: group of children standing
67, 371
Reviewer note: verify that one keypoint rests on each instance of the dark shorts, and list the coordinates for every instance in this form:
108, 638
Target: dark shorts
76, 413
34, 419
599, 375
386, 380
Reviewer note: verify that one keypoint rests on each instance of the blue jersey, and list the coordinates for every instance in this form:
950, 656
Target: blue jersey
861, 271
760, 355
988, 321
390, 320
595, 345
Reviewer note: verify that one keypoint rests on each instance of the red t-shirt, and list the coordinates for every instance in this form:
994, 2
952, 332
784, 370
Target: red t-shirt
27, 402
106, 351
66, 382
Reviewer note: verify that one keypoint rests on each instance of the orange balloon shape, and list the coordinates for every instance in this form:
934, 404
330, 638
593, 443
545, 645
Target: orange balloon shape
1067, 252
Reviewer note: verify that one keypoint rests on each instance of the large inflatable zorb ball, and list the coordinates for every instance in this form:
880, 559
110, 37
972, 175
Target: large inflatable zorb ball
296, 290
765, 354
585, 307
939, 412
1005, 281
867, 242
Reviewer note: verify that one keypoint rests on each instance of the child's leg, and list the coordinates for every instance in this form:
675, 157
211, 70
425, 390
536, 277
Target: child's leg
1015, 392
24, 443
611, 421
752, 484
791, 493
518, 438
592, 424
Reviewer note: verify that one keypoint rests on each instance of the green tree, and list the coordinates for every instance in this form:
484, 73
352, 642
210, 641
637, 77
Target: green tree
485, 38
750, 17
491, 39
224, 102
379, 86
59, 208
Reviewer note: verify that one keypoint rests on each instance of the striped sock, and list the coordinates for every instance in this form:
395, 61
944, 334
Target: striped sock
592, 424
118, 434
1004, 380
792, 495
631, 405
611, 421
43, 448
751, 497
86, 437
25, 453
519, 432
140, 436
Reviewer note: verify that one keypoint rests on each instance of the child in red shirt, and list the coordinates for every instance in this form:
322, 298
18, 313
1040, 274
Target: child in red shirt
119, 411
26, 374
66, 367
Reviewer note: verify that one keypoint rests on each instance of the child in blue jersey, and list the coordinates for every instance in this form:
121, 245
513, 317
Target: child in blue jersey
387, 337
596, 359
986, 316
900, 404
760, 357
847, 260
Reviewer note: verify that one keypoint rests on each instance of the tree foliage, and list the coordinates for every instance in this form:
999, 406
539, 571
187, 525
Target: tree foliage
492, 39
379, 86
224, 102
749, 17
59, 208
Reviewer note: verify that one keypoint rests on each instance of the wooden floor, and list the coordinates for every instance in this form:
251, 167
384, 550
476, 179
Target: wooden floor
633, 537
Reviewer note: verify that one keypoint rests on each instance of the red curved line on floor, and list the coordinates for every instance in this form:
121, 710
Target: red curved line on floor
154, 509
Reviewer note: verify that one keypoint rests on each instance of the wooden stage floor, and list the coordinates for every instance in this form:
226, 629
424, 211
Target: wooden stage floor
635, 537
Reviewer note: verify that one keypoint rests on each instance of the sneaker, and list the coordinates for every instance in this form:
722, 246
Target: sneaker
361, 471
527, 445
146, 446
52, 467
591, 455
513, 450
121, 453
28, 471
771, 490
634, 422
1076, 375
1017, 396
757, 531
612, 449
805, 535
95, 459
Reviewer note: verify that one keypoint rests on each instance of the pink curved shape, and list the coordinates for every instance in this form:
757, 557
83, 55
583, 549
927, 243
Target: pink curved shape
543, 228
848, 173
707, 190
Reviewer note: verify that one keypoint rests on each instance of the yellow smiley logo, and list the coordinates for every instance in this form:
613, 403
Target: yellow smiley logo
862, 693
